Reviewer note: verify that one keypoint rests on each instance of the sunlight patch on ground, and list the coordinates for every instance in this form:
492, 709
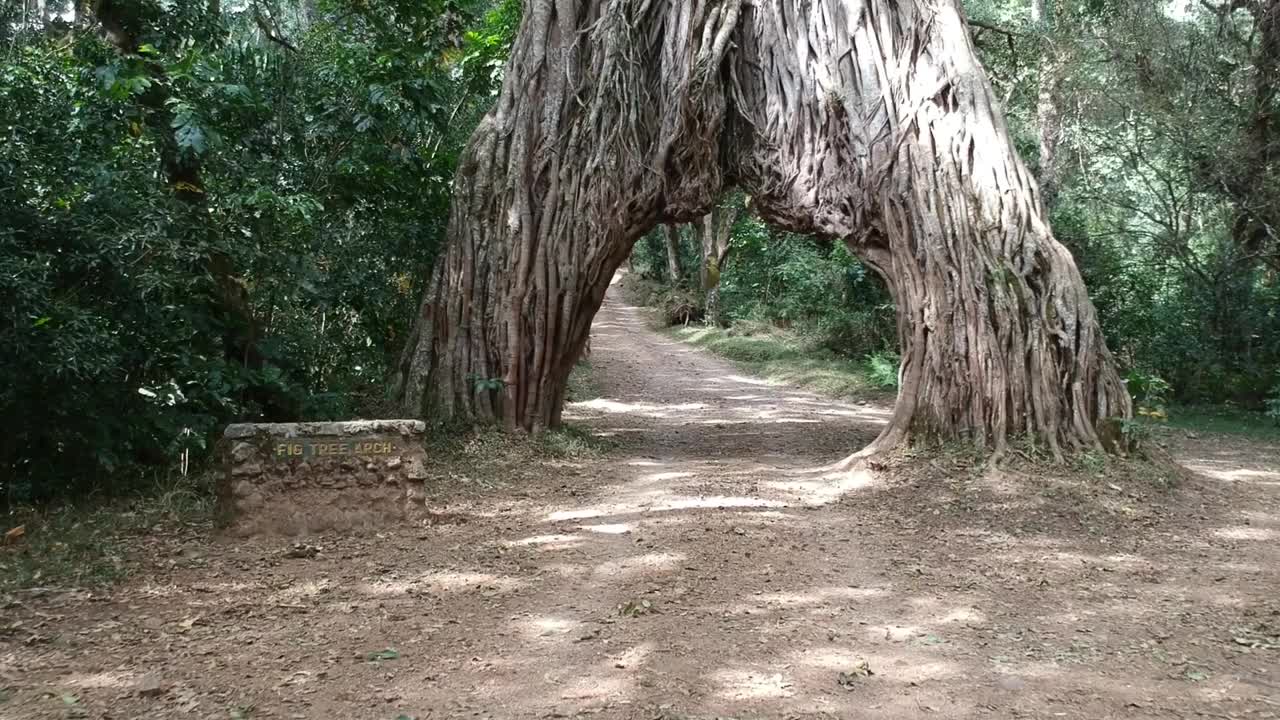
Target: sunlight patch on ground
768, 416
659, 477
614, 689
583, 514
633, 657
715, 501
548, 627
219, 588
792, 600
106, 679
1261, 477
608, 529
646, 409
749, 381
752, 684
835, 659
445, 581
639, 565
545, 540
1246, 533
964, 615
826, 489
659, 501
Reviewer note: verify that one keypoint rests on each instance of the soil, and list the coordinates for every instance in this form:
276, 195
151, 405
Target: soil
705, 565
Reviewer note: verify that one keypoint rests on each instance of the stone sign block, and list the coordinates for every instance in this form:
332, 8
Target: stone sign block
299, 478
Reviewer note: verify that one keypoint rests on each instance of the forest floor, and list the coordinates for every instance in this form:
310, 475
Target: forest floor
702, 565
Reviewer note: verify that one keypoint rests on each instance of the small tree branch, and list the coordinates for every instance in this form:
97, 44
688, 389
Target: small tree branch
993, 28
272, 34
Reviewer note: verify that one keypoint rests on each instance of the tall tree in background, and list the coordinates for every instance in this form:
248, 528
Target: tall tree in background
1048, 110
714, 231
671, 237
869, 121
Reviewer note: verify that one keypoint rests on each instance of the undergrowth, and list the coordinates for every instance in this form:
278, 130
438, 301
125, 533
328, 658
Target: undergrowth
1223, 419
85, 545
582, 385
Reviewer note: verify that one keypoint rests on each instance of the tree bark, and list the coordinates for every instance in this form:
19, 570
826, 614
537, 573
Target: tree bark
607, 124
714, 233
671, 233
1048, 110
870, 121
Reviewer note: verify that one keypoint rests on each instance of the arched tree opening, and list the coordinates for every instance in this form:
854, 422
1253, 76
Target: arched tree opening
867, 121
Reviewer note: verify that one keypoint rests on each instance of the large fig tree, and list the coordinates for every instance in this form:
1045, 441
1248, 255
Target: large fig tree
869, 121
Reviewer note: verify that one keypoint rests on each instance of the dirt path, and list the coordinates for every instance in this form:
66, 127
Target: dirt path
701, 568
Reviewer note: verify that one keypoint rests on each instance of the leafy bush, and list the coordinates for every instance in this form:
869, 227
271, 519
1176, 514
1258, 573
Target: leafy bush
324, 195
882, 369
1150, 393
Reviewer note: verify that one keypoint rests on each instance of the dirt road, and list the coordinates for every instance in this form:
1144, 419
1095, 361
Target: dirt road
703, 567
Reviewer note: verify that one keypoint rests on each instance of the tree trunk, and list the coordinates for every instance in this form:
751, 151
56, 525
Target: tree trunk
671, 234
1048, 112
889, 136
1252, 228
866, 120
714, 234
607, 124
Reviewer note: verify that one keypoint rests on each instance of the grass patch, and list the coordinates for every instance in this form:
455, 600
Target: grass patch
582, 384
789, 358
85, 545
1223, 419
571, 442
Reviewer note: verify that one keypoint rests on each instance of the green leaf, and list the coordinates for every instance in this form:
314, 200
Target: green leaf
42, 321
388, 654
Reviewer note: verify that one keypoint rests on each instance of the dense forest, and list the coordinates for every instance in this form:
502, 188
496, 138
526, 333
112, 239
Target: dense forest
213, 212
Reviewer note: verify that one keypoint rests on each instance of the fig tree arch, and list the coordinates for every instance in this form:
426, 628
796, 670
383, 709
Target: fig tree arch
870, 121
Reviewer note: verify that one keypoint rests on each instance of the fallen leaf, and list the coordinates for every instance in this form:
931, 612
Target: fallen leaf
388, 654
15, 534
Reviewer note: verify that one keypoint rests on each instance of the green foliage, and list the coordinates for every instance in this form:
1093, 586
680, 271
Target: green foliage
1150, 393
783, 280
1168, 184
882, 369
322, 198
86, 545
